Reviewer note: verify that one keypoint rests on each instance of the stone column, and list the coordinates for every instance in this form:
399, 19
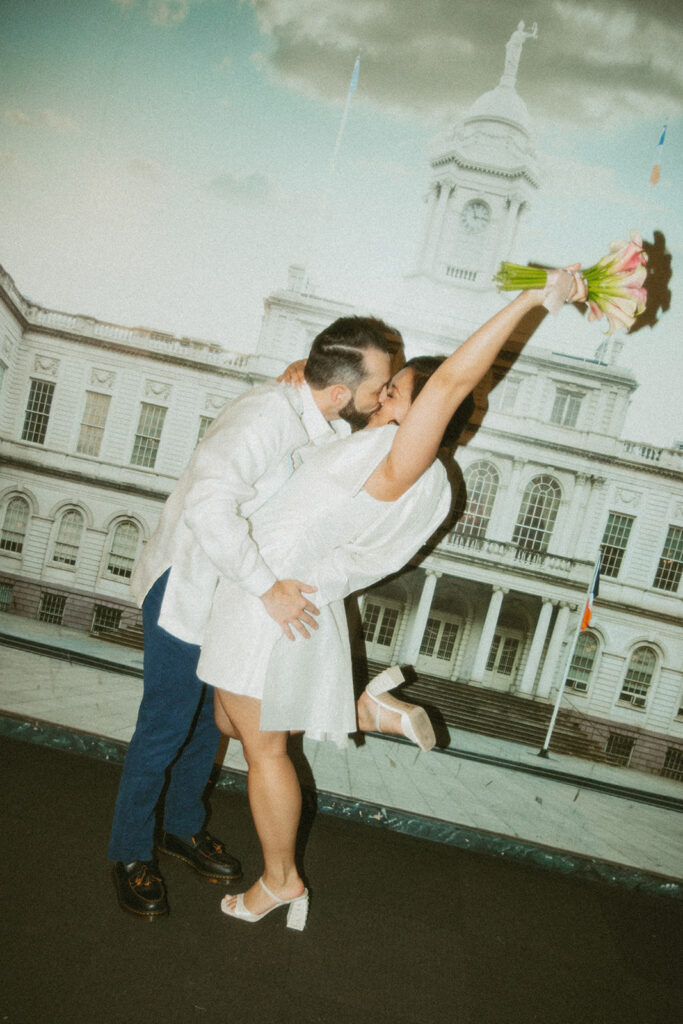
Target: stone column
427, 234
577, 512
437, 226
486, 639
554, 649
532, 663
512, 211
411, 644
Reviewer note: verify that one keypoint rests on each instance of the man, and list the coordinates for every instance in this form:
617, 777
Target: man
247, 454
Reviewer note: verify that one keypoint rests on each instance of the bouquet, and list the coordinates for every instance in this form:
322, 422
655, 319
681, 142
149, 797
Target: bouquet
615, 283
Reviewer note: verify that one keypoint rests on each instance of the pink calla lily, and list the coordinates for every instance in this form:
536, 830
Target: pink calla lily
615, 283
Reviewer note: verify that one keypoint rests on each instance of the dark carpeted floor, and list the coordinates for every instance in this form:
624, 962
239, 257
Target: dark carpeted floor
400, 930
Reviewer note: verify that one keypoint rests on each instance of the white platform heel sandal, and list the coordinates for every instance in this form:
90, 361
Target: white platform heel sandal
415, 723
297, 911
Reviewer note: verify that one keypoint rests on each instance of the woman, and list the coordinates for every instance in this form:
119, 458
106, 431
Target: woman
355, 511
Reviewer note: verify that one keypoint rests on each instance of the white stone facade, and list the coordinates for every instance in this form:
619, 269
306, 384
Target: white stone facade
97, 421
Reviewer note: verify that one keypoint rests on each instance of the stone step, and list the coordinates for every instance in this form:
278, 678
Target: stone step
131, 636
496, 714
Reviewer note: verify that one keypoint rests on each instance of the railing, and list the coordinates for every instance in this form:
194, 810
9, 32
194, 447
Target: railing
169, 344
664, 457
642, 451
508, 553
459, 273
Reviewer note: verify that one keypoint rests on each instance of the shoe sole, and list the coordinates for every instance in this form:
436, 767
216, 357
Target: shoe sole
203, 874
139, 915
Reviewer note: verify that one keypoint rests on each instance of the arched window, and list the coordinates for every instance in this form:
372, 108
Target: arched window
68, 537
583, 662
481, 480
537, 516
124, 549
638, 677
14, 525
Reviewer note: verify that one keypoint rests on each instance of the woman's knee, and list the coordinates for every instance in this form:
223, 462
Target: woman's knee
263, 748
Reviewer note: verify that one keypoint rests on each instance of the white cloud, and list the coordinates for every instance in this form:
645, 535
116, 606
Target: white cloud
148, 170
61, 123
247, 188
162, 12
48, 118
9, 158
168, 12
426, 59
564, 176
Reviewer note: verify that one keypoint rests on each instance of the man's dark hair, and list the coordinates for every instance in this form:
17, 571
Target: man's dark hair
423, 367
337, 353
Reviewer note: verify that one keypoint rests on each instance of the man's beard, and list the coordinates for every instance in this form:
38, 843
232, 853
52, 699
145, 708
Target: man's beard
356, 419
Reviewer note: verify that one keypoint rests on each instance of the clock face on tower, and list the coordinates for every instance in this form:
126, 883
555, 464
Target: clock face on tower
475, 215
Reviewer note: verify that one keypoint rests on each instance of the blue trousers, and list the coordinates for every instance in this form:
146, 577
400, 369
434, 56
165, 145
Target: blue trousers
175, 738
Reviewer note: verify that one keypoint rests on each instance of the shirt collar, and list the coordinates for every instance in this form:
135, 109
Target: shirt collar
313, 420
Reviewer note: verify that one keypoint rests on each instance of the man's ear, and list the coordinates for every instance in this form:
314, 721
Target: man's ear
340, 395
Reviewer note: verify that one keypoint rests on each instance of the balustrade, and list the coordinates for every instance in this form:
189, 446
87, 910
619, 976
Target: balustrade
509, 553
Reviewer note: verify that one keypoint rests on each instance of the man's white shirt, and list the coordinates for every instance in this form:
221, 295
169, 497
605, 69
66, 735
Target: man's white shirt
245, 457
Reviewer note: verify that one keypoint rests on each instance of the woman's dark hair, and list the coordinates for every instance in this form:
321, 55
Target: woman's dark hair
423, 367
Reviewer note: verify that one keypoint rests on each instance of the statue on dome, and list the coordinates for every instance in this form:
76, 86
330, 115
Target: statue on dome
513, 51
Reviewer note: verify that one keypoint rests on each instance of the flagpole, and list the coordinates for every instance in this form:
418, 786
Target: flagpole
654, 176
333, 161
543, 752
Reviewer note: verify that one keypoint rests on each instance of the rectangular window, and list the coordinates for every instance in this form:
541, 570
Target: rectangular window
51, 608
502, 655
429, 637
447, 642
93, 423
566, 408
614, 541
204, 424
619, 749
5, 596
105, 620
370, 620
148, 435
670, 567
493, 654
507, 658
505, 391
379, 623
673, 764
385, 633
37, 411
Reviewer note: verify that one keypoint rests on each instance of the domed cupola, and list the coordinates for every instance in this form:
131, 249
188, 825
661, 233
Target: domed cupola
484, 173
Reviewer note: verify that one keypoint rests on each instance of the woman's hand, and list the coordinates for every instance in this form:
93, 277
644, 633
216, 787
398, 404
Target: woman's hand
294, 374
564, 286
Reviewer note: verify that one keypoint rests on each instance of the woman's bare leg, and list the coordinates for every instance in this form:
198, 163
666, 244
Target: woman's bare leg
274, 798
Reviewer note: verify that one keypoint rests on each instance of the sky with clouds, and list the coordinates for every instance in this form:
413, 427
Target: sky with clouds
164, 161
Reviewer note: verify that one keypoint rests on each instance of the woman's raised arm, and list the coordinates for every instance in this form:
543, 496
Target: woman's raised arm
419, 436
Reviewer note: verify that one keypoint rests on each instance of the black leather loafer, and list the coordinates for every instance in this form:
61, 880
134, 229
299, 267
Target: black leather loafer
140, 889
205, 854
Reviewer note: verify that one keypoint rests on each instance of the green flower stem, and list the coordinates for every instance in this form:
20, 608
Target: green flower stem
513, 277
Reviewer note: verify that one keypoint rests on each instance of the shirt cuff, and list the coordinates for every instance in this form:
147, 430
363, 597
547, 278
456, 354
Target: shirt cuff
260, 580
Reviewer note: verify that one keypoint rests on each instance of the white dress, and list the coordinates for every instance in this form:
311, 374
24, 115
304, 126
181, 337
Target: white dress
321, 528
